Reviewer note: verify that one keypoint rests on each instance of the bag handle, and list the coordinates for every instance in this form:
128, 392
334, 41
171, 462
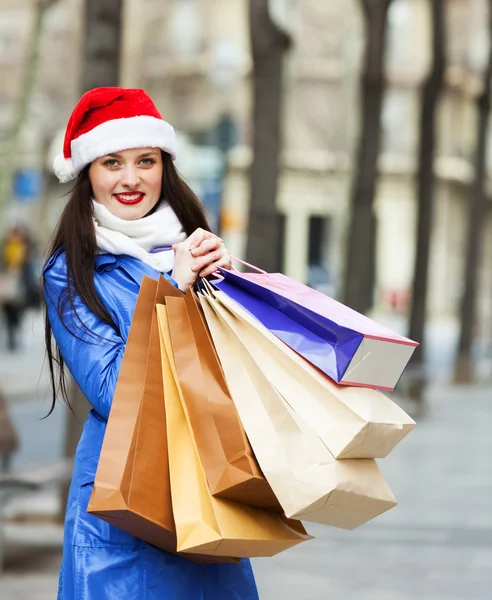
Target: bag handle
207, 288
206, 284
246, 264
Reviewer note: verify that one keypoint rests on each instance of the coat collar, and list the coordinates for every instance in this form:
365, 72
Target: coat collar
136, 269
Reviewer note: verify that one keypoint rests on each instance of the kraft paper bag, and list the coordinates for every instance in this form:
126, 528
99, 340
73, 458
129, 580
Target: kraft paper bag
225, 453
352, 422
308, 481
346, 345
131, 488
206, 524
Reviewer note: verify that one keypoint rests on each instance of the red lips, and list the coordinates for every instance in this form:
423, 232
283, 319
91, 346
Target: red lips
129, 198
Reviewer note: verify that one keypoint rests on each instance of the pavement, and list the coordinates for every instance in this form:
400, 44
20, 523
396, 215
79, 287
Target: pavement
435, 545
23, 374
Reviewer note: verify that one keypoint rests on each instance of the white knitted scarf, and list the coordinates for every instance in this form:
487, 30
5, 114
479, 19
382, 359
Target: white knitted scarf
137, 238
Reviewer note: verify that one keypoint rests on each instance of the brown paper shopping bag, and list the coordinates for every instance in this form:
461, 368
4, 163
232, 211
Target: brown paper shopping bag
308, 481
206, 524
225, 453
131, 489
353, 422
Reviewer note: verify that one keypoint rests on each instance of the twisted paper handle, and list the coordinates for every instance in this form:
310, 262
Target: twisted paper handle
246, 264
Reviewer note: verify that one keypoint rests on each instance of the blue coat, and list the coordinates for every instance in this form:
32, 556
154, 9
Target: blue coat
100, 561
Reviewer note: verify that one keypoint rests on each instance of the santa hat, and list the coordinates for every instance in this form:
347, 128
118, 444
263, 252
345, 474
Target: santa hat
108, 120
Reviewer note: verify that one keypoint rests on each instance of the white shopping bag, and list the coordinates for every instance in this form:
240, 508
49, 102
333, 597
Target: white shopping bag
353, 422
308, 481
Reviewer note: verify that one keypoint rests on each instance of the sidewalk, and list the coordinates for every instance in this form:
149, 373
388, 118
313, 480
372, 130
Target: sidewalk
22, 376
436, 545
33, 559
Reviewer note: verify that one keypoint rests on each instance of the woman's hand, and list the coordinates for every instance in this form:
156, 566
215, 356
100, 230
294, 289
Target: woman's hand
210, 254
200, 255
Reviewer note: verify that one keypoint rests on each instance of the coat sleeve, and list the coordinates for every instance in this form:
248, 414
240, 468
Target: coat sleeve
91, 349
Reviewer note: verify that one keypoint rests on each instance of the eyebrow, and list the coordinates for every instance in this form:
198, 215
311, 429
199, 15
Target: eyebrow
143, 155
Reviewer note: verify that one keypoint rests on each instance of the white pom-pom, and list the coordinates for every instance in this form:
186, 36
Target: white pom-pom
63, 168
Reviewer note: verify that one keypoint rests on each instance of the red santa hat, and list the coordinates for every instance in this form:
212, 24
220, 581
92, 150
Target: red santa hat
108, 120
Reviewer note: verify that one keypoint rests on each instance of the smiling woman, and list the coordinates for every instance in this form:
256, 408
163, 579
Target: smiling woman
128, 183
130, 215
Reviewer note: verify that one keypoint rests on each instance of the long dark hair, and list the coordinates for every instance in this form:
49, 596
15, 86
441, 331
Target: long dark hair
75, 235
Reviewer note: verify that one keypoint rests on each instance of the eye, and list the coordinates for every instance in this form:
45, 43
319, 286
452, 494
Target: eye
111, 162
147, 162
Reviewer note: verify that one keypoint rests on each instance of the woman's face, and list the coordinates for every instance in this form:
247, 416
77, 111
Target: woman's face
128, 183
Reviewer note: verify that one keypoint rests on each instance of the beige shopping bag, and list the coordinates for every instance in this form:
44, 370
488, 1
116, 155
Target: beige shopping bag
224, 451
205, 524
308, 481
353, 422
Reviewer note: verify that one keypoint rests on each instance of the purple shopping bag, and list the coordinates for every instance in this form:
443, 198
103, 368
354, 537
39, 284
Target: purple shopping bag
349, 347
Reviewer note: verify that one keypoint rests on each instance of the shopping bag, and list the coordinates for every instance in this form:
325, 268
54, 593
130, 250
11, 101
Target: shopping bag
225, 453
352, 422
131, 488
308, 481
206, 524
349, 347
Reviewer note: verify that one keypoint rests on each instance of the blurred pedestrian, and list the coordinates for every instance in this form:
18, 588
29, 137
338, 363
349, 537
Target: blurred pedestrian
19, 281
31, 272
130, 215
12, 290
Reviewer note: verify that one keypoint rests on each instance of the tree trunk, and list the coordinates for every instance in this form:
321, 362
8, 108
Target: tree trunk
361, 240
431, 92
102, 47
269, 46
476, 219
101, 68
11, 142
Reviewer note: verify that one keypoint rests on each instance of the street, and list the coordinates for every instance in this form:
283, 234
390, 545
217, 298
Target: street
436, 545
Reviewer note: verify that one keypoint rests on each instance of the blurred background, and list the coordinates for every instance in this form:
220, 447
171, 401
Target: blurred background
346, 143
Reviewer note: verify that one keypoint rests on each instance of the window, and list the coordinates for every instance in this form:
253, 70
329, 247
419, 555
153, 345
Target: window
399, 120
398, 46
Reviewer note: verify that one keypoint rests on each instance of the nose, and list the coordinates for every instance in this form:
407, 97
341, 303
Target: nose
130, 177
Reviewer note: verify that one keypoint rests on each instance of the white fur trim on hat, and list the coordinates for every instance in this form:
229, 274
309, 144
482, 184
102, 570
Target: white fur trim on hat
114, 136
63, 168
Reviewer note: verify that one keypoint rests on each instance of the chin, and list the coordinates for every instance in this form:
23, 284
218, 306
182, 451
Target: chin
132, 213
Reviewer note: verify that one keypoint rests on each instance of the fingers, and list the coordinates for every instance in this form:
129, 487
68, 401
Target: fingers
205, 251
206, 246
208, 259
198, 236
209, 270
223, 262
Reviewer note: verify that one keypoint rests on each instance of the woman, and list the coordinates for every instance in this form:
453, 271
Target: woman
13, 296
129, 215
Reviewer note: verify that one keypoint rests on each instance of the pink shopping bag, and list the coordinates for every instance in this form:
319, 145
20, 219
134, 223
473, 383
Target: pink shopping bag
349, 347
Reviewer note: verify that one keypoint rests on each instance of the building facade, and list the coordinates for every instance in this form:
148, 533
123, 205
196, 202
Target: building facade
193, 57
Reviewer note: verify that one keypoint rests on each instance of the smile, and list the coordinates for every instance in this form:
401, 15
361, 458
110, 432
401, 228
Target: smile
129, 198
